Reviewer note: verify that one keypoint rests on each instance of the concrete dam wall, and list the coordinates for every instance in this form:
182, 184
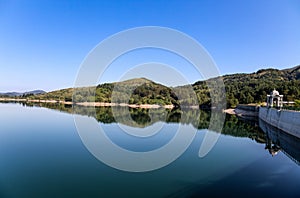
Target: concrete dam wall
288, 121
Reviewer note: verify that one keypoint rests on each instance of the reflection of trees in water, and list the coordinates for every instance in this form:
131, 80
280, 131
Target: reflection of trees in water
139, 117
274, 139
56, 106
242, 128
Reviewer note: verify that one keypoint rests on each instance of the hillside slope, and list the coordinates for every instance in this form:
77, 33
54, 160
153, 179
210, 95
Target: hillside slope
253, 88
134, 91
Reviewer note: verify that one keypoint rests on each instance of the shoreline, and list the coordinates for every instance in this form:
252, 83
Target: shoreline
241, 112
91, 104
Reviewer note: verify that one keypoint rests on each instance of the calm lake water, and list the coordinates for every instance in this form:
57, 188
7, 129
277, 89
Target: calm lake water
42, 155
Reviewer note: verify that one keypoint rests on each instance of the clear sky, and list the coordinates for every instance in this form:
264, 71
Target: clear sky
43, 42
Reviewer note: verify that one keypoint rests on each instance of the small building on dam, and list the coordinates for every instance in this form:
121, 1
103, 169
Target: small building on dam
273, 114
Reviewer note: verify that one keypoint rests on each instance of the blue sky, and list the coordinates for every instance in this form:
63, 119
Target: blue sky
43, 42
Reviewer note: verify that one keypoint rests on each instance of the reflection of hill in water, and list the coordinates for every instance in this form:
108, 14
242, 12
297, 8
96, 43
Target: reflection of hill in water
146, 117
261, 132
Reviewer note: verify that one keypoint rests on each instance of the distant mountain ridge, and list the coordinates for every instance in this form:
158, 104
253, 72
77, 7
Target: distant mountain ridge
13, 94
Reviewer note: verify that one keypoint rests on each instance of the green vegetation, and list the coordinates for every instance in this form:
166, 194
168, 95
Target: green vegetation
253, 88
297, 103
135, 91
59, 95
240, 89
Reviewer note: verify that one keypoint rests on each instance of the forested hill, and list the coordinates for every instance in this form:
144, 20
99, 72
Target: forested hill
240, 89
141, 90
252, 88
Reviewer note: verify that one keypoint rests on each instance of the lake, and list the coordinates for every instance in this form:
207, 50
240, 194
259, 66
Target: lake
43, 155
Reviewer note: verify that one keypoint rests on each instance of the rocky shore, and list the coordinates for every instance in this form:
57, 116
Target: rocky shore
243, 111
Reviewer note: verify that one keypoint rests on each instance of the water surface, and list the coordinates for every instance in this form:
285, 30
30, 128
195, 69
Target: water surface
42, 155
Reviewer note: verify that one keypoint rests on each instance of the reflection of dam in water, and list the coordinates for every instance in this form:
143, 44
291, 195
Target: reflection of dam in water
278, 140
